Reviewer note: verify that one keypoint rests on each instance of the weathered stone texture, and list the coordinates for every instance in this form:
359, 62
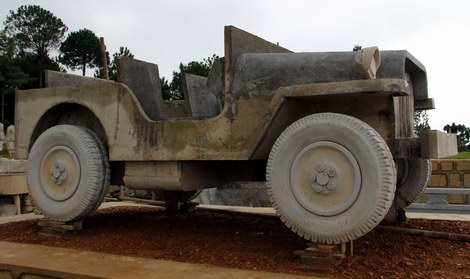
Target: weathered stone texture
466, 180
143, 79
236, 194
58, 79
458, 199
437, 144
202, 102
447, 165
435, 166
438, 180
454, 180
463, 165
449, 174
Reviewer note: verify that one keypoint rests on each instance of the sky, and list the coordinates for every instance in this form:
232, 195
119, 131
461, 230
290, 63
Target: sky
436, 32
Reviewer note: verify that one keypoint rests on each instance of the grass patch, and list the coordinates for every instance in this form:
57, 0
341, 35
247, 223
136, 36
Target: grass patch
461, 155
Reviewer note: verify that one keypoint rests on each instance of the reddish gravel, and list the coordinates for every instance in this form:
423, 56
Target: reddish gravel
255, 243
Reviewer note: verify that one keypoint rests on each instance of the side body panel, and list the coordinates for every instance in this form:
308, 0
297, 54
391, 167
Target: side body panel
235, 134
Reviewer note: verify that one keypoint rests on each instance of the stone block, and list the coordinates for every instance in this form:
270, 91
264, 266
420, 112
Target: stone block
238, 42
454, 180
447, 165
143, 79
438, 180
202, 103
456, 199
236, 194
58, 79
13, 184
466, 180
12, 166
7, 210
463, 165
175, 108
436, 144
435, 165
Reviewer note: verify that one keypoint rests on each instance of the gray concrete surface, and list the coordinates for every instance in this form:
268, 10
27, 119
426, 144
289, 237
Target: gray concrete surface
271, 212
13, 166
70, 263
143, 79
22, 217
242, 209
439, 216
7, 209
250, 194
438, 144
202, 102
32, 216
58, 79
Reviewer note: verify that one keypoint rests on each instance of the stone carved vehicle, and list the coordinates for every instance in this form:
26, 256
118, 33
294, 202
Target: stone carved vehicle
331, 133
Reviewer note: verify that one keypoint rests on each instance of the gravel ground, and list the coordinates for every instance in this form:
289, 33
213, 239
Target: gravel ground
255, 243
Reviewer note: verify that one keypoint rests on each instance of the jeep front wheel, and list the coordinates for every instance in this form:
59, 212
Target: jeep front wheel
68, 172
330, 177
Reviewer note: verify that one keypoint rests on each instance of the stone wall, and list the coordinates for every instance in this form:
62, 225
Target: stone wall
450, 174
254, 194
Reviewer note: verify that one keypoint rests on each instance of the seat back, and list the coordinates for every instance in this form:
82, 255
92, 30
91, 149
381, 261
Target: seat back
202, 102
144, 80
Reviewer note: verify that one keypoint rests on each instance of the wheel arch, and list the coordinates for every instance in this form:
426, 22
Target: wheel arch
374, 109
72, 114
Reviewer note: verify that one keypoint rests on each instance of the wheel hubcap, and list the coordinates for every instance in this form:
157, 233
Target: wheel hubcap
325, 178
60, 173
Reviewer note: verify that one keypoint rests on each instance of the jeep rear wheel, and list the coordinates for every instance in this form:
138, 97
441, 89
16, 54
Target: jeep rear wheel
67, 174
412, 177
330, 177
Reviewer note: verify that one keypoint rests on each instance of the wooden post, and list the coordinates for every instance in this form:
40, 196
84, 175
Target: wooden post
105, 61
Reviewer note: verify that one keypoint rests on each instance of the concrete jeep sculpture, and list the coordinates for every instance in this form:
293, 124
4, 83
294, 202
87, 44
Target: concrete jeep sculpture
331, 133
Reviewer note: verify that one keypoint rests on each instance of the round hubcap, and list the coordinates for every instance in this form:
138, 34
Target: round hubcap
325, 178
60, 173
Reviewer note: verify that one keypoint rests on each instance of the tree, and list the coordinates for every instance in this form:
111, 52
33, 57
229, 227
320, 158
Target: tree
463, 135
421, 121
36, 31
81, 49
201, 68
123, 51
11, 75
30, 64
357, 47
166, 91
